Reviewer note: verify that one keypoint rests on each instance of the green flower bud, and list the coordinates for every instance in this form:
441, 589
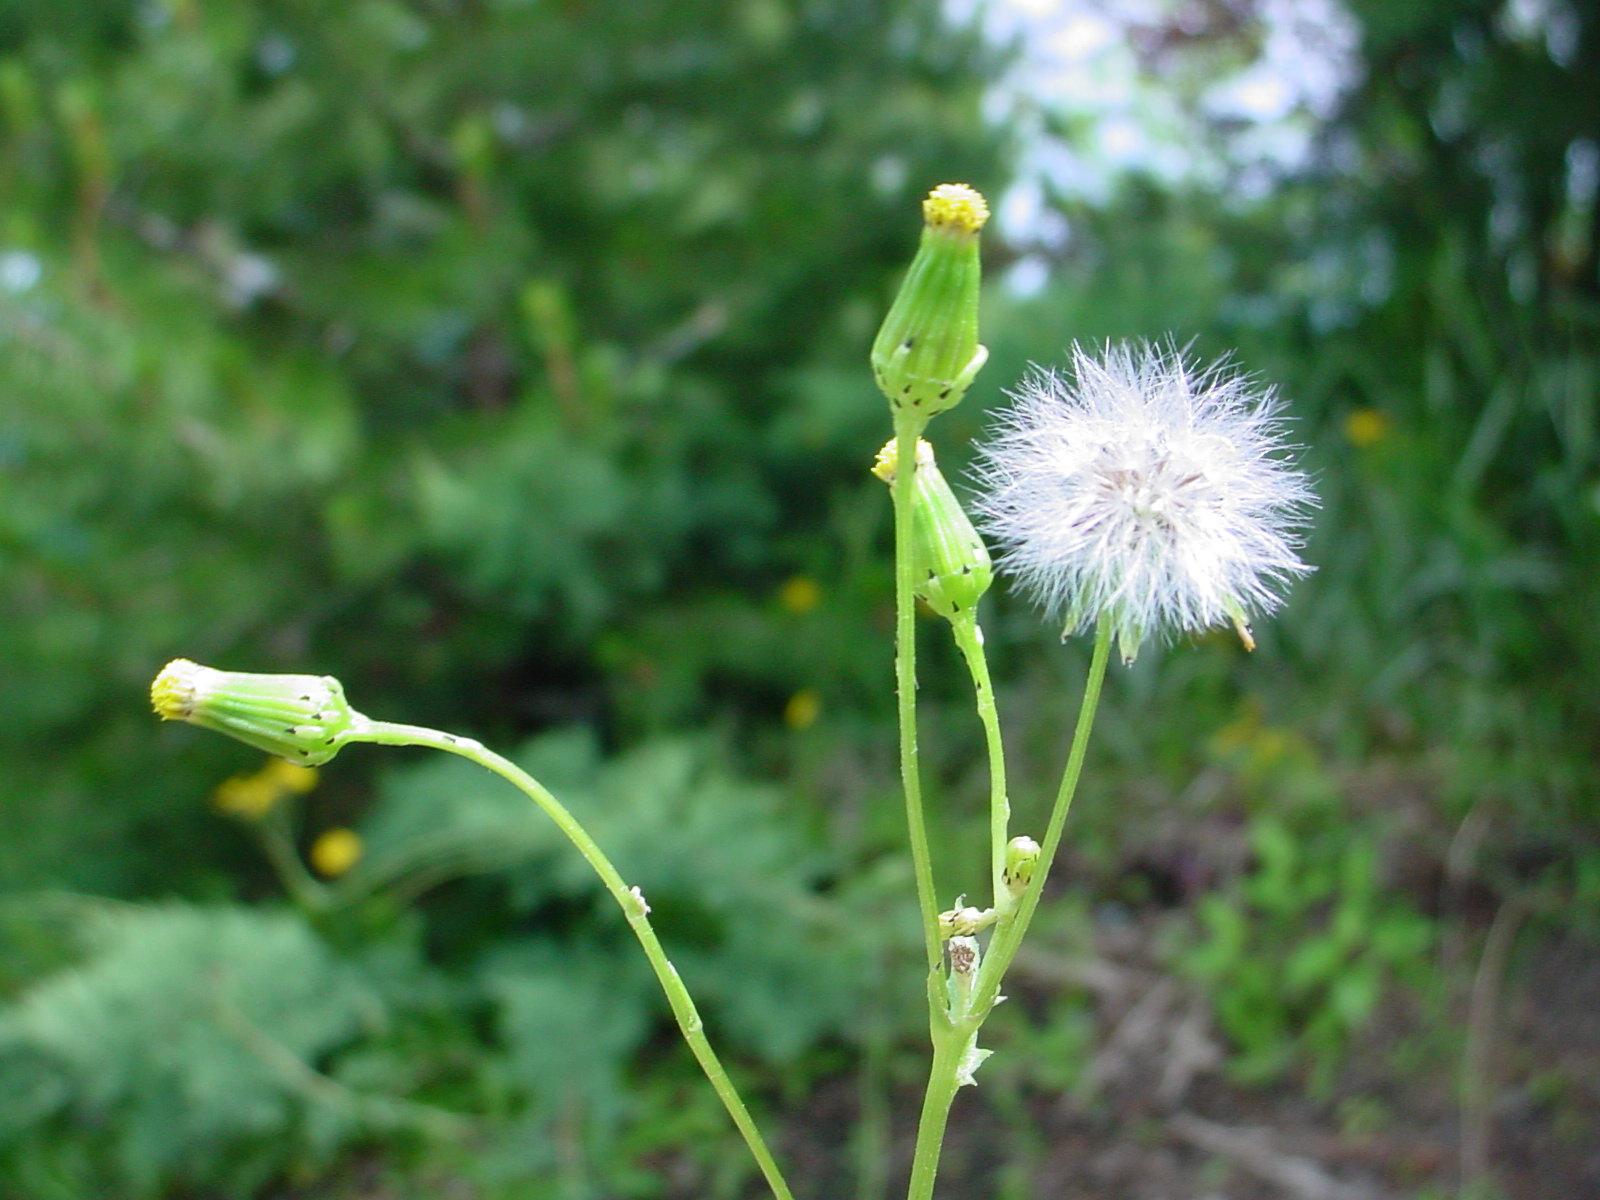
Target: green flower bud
949, 558
927, 353
303, 718
1022, 856
964, 920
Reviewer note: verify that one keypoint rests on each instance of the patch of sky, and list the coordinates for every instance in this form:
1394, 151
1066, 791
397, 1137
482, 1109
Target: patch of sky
1093, 98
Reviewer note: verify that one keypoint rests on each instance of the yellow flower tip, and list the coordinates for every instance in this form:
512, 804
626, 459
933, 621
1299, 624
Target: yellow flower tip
336, 851
172, 691
803, 709
800, 595
955, 206
884, 466
1365, 427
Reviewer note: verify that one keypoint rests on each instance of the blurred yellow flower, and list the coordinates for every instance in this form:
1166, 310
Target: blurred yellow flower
803, 709
800, 595
1366, 427
1256, 745
1240, 732
249, 797
335, 852
1275, 745
291, 777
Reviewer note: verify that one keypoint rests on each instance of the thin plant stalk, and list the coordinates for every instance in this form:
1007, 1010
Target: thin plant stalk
1009, 933
907, 429
277, 842
953, 1039
385, 733
936, 1101
969, 637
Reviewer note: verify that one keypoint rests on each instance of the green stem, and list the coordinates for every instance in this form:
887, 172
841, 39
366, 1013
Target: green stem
1009, 933
951, 1040
969, 637
936, 1102
907, 429
385, 733
277, 842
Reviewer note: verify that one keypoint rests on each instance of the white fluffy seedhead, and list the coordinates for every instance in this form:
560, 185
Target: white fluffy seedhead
1139, 486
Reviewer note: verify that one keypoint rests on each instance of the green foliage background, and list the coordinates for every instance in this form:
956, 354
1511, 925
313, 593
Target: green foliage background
505, 359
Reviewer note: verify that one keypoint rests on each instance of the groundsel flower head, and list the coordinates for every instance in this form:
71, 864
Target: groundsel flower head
1138, 486
303, 718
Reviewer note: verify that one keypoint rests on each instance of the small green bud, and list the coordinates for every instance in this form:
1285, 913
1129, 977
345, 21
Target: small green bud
1022, 856
949, 558
964, 920
927, 353
303, 718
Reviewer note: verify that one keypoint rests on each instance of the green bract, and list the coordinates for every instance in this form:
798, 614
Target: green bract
951, 564
304, 718
927, 352
1022, 856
